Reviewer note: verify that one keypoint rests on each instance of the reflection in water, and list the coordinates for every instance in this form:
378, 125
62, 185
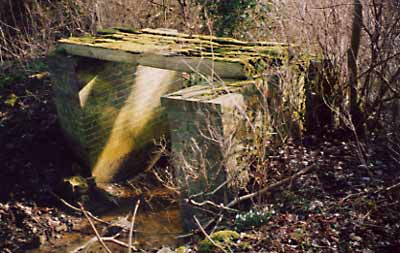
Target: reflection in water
153, 229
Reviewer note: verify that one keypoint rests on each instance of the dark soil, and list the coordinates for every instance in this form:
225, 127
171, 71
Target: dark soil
342, 207
34, 158
34, 154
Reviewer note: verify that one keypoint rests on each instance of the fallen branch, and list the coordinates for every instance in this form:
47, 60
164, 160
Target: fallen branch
210, 203
132, 224
217, 223
207, 236
84, 246
118, 242
391, 187
209, 193
206, 210
195, 231
65, 202
105, 248
104, 239
273, 186
359, 194
78, 209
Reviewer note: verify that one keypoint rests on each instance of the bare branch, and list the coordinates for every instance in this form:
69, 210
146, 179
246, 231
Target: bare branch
208, 237
104, 239
78, 210
304, 171
210, 203
105, 248
132, 224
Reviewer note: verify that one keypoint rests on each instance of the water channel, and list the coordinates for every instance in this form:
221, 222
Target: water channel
157, 225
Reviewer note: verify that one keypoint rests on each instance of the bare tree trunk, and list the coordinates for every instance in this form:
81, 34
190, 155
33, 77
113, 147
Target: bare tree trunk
355, 111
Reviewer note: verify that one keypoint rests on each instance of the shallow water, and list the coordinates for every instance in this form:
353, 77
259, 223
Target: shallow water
154, 228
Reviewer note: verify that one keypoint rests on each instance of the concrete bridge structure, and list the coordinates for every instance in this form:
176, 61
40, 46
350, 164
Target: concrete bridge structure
120, 90
108, 89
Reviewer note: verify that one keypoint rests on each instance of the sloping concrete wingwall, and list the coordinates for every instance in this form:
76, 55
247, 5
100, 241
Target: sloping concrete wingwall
111, 111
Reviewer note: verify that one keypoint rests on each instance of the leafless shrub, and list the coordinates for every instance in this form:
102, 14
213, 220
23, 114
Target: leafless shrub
324, 29
30, 28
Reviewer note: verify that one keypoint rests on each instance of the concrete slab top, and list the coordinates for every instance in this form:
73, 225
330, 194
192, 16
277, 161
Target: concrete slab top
160, 48
209, 94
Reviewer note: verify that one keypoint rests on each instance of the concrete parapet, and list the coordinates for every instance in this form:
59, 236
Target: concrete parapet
206, 129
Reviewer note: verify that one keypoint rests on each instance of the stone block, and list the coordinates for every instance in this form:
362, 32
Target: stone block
206, 129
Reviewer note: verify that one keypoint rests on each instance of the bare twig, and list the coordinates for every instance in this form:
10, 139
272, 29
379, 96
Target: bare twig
392, 187
217, 223
154, 159
207, 236
211, 221
104, 239
210, 203
105, 248
118, 242
84, 246
77, 209
207, 210
245, 197
306, 170
359, 194
65, 202
212, 192
218, 188
371, 68
132, 224
353, 195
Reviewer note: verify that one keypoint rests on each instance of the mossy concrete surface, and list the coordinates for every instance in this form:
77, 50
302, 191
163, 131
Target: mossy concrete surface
227, 57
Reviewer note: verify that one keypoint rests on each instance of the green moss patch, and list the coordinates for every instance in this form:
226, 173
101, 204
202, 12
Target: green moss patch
253, 57
224, 238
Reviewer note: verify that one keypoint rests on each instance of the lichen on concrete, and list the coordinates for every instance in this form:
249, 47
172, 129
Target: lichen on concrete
252, 57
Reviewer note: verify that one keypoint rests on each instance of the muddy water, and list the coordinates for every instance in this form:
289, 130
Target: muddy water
155, 227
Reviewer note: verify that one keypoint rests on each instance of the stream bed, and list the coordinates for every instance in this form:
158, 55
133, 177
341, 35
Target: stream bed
157, 225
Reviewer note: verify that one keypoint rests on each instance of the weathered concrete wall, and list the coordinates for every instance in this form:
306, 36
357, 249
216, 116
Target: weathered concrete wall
207, 139
111, 111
